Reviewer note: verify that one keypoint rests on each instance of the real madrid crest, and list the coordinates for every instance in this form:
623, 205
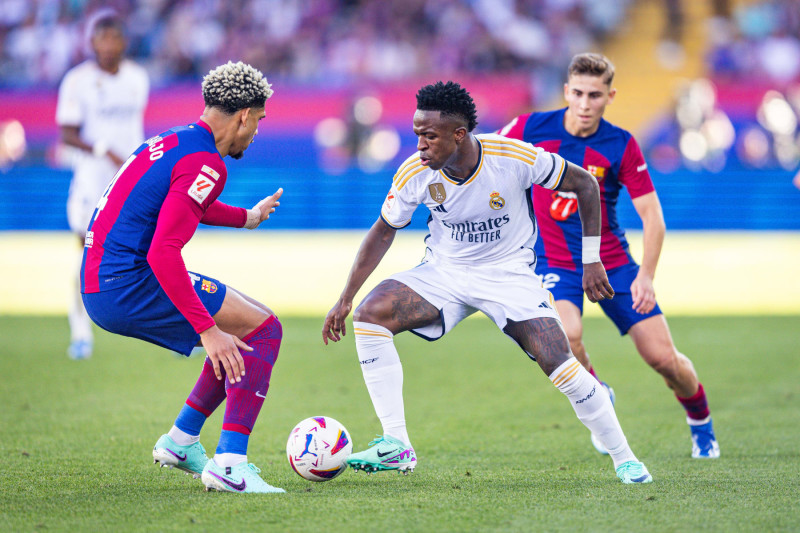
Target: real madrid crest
437, 191
496, 201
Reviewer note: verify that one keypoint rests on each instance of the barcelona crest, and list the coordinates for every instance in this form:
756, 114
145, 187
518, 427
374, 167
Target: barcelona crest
209, 286
597, 172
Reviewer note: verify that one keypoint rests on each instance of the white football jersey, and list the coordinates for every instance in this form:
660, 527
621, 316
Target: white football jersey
485, 219
108, 107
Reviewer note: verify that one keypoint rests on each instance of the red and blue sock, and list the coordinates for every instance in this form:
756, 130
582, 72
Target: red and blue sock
696, 406
246, 397
205, 397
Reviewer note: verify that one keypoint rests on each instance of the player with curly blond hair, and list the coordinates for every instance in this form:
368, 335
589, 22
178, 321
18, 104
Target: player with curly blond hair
135, 283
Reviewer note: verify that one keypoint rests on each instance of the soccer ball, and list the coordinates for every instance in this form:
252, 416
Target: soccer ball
317, 448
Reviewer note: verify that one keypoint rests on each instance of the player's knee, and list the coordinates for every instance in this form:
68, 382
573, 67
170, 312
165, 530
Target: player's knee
664, 362
275, 328
269, 327
266, 341
369, 311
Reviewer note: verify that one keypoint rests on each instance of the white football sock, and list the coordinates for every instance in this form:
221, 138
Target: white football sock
181, 438
383, 375
593, 407
80, 324
229, 459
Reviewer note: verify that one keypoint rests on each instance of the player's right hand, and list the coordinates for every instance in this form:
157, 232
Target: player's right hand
223, 350
335, 321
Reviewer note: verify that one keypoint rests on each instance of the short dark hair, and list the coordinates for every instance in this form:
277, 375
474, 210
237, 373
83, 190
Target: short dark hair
450, 99
589, 64
107, 19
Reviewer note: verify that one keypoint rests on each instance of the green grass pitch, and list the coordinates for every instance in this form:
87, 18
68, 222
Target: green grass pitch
499, 447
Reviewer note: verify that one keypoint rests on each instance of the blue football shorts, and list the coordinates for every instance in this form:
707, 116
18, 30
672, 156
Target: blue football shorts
568, 285
144, 311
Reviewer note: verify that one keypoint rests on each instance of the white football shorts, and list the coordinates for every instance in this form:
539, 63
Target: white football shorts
501, 292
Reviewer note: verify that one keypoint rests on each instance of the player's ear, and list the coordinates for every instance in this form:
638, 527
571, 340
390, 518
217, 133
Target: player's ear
460, 133
245, 114
611, 94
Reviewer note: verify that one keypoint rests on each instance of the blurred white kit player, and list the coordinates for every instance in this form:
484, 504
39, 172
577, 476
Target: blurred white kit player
100, 112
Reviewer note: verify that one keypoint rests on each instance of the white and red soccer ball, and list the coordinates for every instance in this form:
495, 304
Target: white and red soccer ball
318, 447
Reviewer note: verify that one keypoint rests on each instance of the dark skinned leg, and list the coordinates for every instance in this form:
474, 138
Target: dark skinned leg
543, 339
396, 307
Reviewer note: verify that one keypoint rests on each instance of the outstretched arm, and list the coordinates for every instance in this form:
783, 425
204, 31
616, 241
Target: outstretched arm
595, 280
221, 214
374, 246
649, 209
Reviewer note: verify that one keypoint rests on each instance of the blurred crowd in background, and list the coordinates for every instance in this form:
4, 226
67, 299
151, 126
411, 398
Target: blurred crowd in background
335, 41
346, 40
758, 42
741, 114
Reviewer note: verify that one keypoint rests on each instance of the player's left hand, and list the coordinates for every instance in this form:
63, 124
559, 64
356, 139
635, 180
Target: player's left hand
263, 209
595, 282
643, 293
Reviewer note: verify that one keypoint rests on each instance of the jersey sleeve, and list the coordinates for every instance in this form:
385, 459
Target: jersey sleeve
515, 128
221, 214
540, 167
401, 202
193, 189
633, 171
69, 111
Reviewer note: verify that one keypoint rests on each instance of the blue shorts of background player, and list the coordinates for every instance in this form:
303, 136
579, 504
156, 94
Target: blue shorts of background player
144, 311
567, 285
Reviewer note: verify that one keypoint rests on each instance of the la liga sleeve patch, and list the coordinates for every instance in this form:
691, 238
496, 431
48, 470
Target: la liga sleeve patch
201, 188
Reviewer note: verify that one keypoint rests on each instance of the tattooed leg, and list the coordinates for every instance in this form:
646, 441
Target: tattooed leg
396, 307
543, 339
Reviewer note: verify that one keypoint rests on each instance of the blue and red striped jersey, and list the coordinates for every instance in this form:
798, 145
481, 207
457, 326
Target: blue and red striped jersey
153, 206
612, 156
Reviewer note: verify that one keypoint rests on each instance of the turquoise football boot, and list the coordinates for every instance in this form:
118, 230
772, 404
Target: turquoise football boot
634, 472
242, 478
191, 459
384, 453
